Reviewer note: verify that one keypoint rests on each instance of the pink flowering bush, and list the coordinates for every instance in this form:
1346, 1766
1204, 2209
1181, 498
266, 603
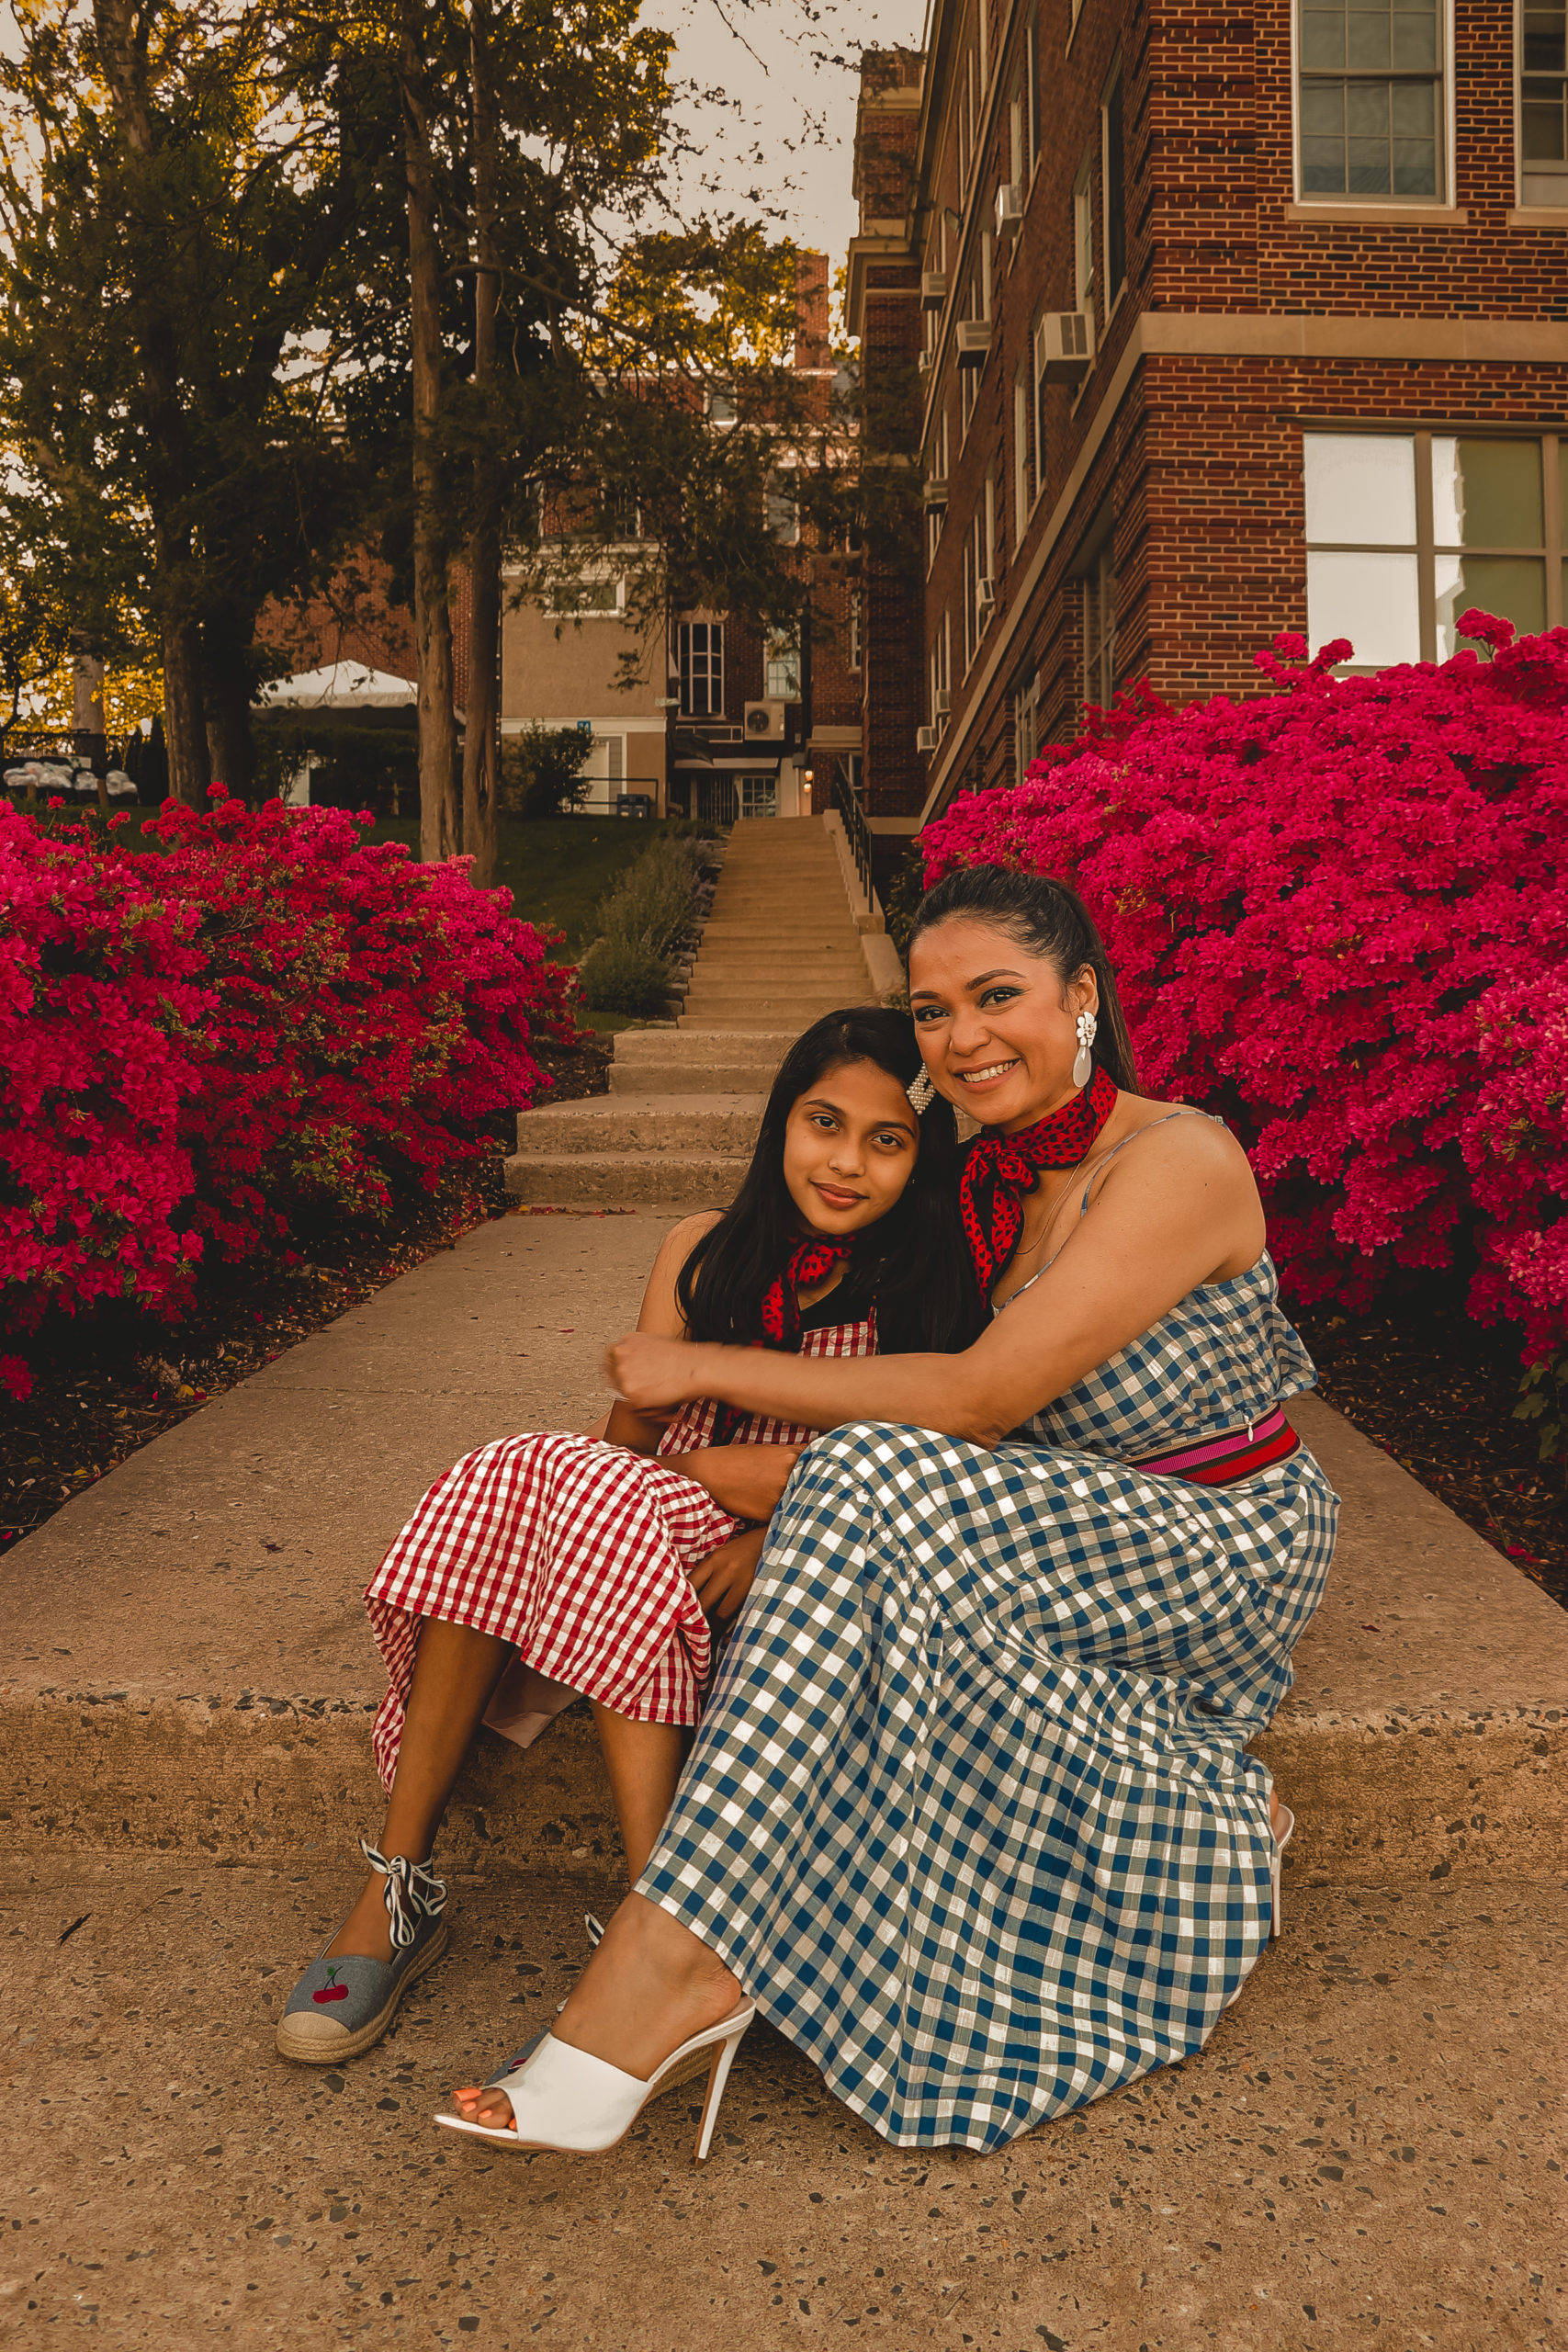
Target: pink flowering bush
270, 1013
1337, 914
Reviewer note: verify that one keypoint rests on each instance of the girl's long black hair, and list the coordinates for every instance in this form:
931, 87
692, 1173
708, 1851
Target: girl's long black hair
914, 1260
1048, 919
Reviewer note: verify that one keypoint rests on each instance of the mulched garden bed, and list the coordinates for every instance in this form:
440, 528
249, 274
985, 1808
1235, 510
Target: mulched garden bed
1419, 1379
1437, 1393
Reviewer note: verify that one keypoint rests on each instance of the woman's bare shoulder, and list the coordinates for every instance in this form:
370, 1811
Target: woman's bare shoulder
1172, 1136
682, 1238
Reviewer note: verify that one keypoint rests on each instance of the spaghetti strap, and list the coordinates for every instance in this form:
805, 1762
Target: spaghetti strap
1099, 1169
1095, 1175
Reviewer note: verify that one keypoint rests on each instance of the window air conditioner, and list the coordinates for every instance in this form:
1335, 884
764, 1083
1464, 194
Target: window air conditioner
942, 701
1009, 207
935, 492
985, 595
1065, 346
928, 361
927, 737
973, 340
764, 722
933, 289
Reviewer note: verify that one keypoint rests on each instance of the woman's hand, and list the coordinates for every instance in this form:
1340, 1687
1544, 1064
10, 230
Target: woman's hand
649, 1370
722, 1581
745, 1479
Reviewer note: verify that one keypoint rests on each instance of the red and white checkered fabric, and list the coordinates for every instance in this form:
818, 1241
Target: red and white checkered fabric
577, 1552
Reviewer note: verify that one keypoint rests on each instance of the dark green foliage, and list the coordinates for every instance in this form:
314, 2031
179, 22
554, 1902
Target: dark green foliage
541, 771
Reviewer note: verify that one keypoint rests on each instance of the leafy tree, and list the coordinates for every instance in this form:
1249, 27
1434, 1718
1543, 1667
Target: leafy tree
541, 774
171, 214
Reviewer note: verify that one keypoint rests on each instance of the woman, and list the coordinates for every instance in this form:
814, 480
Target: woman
970, 1816
550, 1564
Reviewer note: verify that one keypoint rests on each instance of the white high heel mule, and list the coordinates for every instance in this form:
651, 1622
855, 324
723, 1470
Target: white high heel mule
1283, 1839
567, 2100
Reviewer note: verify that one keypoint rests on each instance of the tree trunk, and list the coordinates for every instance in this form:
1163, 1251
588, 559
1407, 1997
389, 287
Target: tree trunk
226, 641
438, 811
184, 711
482, 737
87, 720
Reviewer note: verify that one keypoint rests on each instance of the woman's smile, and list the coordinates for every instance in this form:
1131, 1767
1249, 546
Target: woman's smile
988, 1074
836, 1196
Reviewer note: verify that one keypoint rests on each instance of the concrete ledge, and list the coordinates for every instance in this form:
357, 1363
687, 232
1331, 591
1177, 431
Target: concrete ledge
696, 1179
187, 1663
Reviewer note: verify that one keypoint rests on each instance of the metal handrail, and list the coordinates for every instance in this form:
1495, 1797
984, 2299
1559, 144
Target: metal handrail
856, 831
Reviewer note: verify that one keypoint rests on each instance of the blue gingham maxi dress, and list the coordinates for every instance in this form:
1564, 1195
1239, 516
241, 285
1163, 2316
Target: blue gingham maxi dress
970, 1814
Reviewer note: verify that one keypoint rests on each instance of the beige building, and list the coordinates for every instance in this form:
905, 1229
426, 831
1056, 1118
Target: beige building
564, 669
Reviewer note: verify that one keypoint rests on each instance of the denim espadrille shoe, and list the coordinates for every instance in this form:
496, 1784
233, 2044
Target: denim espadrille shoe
342, 2007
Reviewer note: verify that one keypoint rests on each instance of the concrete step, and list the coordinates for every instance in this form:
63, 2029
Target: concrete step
737, 1077
810, 968
683, 1123
679, 1179
767, 1017
696, 1061
695, 1048
742, 932
188, 1667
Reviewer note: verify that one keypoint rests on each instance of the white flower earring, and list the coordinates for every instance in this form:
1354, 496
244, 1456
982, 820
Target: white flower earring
1083, 1060
919, 1091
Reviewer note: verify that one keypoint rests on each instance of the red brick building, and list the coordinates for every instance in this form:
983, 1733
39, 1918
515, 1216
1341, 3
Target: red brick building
1220, 324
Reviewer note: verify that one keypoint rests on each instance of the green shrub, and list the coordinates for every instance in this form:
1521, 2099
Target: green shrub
541, 771
624, 976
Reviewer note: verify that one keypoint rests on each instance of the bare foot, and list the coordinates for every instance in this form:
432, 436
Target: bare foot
1274, 1811
366, 1928
648, 1987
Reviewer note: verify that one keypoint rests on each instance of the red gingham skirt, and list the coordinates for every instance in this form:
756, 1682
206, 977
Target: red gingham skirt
578, 1553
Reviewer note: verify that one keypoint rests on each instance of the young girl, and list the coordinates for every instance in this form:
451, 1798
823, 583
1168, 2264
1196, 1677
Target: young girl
545, 1565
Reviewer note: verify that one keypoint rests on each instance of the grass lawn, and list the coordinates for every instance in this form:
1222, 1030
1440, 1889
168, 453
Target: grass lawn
557, 869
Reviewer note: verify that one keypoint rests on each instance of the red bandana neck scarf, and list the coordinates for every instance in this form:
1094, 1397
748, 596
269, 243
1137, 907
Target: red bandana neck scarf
810, 1262
1001, 1169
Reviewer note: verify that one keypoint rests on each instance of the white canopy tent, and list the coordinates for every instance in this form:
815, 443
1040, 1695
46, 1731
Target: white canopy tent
342, 686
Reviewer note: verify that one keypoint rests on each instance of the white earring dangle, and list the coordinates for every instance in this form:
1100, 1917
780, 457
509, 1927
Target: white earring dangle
1083, 1060
919, 1091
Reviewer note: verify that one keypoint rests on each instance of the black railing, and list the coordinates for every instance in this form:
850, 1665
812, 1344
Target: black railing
856, 831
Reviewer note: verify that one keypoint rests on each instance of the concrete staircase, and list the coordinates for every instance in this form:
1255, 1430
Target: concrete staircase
782, 946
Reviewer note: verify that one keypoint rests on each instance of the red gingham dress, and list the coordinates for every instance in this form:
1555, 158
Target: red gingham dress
577, 1552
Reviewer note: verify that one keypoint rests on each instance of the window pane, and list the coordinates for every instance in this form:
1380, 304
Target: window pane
1543, 109
1371, 599
1512, 587
1367, 39
1487, 493
1322, 37
1545, 39
1414, 46
1361, 489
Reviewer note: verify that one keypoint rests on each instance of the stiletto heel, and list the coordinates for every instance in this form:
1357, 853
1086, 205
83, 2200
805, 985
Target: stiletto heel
569, 2100
1283, 1839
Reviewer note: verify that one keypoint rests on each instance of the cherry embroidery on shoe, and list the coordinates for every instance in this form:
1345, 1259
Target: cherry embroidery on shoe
331, 1990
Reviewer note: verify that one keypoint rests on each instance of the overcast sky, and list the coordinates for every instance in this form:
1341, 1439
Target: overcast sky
778, 134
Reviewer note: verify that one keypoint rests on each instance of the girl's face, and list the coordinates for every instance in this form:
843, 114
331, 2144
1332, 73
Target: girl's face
996, 1028
850, 1148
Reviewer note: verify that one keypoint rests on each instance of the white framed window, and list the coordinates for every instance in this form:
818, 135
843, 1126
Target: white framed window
988, 543
1372, 104
780, 669
1083, 236
1405, 531
759, 796
1038, 405
988, 273
1026, 724
701, 669
941, 665
1112, 180
1542, 52
1100, 627
783, 506
1032, 91
857, 646
1016, 165
1022, 404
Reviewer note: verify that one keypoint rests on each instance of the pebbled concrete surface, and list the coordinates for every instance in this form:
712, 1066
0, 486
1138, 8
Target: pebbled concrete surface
1368, 2153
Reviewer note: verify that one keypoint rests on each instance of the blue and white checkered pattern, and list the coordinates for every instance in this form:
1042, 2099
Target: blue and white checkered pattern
969, 1813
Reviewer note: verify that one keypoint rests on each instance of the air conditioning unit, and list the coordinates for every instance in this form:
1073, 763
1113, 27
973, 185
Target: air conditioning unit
973, 342
1065, 346
935, 492
933, 289
928, 361
942, 702
985, 595
927, 737
1009, 207
764, 722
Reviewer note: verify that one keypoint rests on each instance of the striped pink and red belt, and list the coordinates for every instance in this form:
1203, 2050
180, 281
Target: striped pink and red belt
1236, 1455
